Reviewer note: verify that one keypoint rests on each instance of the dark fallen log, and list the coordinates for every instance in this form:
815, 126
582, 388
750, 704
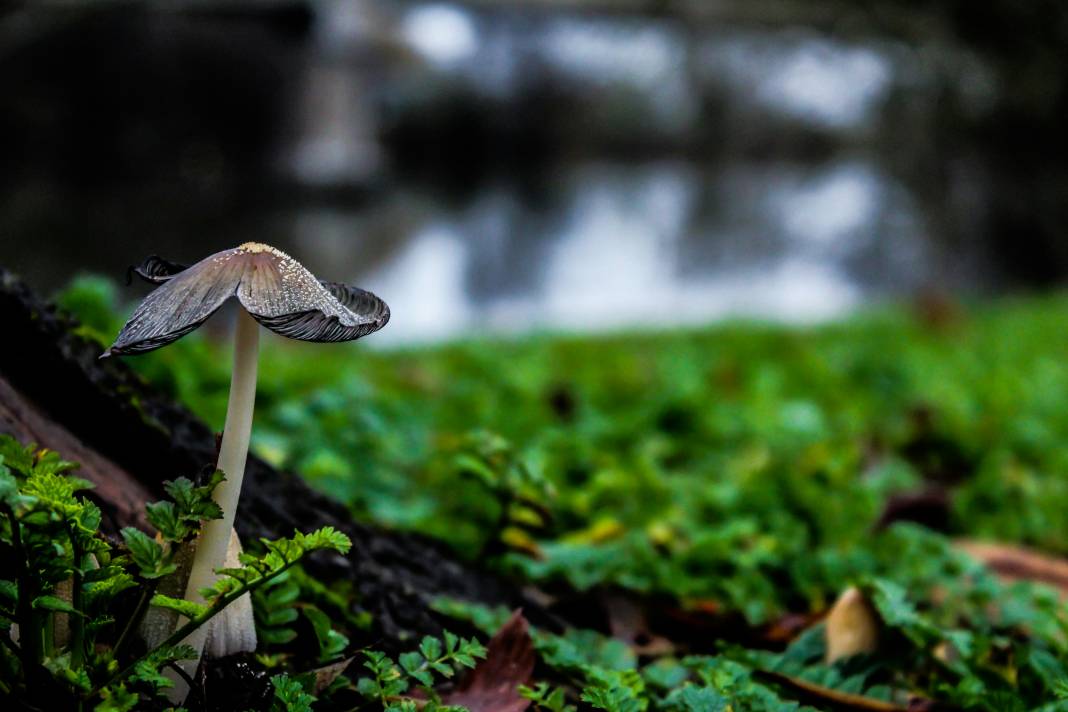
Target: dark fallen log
130, 439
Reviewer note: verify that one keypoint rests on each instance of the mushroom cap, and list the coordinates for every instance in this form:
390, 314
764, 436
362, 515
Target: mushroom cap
271, 286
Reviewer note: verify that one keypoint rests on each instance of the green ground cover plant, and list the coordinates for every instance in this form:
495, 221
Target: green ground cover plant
71, 610
755, 469
67, 628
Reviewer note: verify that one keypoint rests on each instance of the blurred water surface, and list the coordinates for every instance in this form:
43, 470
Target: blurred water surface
489, 169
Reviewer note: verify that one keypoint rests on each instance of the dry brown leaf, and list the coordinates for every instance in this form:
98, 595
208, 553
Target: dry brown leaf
698, 621
704, 606
627, 622
852, 626
493, 686
785, 629
830, 699
326, 675
1015, 563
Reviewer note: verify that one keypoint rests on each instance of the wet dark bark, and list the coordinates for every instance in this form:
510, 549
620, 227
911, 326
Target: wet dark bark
131, 439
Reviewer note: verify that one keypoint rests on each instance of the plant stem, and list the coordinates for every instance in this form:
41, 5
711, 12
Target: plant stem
188, 682
147, 591
10, 645
215, 534
77, 622
180, 636
48, 631
29, 635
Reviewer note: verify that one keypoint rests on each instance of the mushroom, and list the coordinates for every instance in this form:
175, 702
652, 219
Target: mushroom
274, 290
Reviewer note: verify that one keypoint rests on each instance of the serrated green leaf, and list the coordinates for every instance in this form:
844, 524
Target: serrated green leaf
116, 699
289, 695
149, 670
331, 643
17, 456
165, 518
271, 636
147, 554
54, 603
61, 670
430, 647
9, 486
186, 608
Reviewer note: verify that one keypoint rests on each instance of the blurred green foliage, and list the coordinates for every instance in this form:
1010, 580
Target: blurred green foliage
956, 651
742, 463
982, 645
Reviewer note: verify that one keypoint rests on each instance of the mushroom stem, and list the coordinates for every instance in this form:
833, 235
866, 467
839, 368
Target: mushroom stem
215, 534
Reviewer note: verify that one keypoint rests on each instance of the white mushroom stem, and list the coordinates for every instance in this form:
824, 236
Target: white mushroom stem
234, 629
215, 534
